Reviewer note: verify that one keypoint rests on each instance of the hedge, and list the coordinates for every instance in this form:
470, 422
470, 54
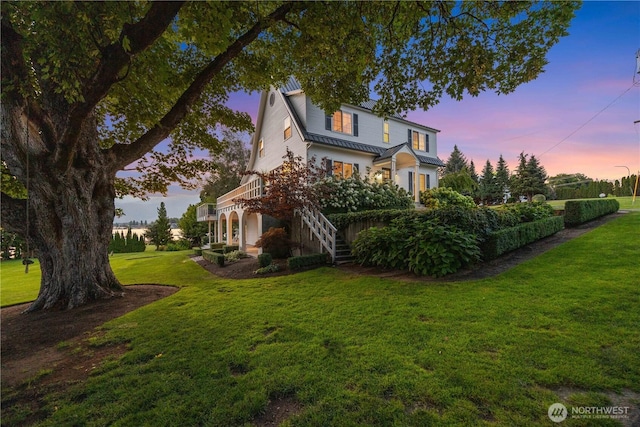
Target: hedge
298, 262
512, 238
230, 248
214, 257
197, 251
264, 260
578, 212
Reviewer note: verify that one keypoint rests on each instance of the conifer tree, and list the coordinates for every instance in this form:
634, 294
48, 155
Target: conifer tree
488, 188
159, 232
502, 177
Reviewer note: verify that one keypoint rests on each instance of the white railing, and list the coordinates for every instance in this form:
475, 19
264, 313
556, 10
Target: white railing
320, 226
250, 190
207, 212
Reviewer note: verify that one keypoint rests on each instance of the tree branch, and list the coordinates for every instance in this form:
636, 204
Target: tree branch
114, 58
126, 154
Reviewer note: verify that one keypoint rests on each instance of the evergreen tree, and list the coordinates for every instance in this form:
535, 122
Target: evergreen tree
192, 230
520, 180
475, 194
159, 232
502, 177
488, 188
456, 162
537, 175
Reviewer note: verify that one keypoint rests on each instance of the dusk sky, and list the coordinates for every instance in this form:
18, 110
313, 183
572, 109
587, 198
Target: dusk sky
576, 117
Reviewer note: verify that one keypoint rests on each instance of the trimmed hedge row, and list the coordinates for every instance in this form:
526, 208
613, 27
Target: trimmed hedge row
512, 238
298, 262
214, 257
578, 212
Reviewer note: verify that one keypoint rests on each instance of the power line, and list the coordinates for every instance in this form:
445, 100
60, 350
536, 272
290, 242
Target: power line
588, 121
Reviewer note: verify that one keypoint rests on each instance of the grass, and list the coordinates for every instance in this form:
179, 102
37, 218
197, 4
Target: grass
369, 351
142, 267
626, 203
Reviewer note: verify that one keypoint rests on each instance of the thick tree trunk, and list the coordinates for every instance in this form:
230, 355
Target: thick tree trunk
68, 215
73, 223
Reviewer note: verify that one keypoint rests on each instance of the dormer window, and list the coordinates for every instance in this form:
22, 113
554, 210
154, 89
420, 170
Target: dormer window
287, 128
343, 122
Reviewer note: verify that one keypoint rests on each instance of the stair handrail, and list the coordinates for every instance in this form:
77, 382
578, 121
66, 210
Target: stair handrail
322, 228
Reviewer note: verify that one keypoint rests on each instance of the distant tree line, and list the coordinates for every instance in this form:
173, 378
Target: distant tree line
498, 185
126, 243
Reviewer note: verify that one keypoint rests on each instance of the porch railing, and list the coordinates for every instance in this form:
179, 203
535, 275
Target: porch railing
324, 231
250, 190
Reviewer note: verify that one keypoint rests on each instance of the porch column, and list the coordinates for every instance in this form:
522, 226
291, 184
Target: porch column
393, 169
230, 229
416, 183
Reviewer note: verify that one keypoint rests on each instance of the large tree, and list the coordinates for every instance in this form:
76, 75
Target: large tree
90, 89
230, 166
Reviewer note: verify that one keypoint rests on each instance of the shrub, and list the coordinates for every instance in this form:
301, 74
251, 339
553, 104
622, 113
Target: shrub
180, 245
298, 262
424, 247
478, 221
539, 198
355, 194
214, 257
578, 212
271, 268
525, 212
343, 220
264, 260
442, 197
438, 250
276, 242
197, 251
512, 238
234, 256
229, 248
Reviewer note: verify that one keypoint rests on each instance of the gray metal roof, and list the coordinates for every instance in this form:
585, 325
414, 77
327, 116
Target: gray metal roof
391, 151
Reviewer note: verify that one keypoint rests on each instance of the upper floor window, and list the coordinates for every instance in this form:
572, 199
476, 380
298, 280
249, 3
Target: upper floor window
287, 128
418, 140
343, 122
385, 131
261, 148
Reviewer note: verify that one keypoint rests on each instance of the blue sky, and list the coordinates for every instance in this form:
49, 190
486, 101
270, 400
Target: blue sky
576, 117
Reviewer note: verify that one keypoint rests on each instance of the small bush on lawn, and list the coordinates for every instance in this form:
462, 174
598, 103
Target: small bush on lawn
276, 242
424, 247
271, 268
298, 262
264, 260
214, 257
442, 197
234, 256
180, 245
578, 212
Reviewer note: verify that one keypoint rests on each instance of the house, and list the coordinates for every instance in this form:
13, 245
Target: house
351, 141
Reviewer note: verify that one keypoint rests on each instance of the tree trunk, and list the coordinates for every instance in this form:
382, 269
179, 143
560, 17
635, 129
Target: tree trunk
73, 226
68, 216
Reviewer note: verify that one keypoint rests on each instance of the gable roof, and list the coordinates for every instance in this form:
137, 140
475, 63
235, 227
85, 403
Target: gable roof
293, 87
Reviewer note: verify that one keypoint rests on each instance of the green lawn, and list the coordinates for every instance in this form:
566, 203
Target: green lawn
626, 203
363, 351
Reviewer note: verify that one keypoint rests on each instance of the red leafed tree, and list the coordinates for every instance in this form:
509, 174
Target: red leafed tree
286, 189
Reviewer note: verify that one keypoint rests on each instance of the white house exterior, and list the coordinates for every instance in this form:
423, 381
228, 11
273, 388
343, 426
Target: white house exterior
351, 141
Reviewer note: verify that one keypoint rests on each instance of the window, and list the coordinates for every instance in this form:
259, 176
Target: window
385, 131
287, 128
386, 174
261, 148
423, 182
419, 141
342, 122
337, 169
343, 170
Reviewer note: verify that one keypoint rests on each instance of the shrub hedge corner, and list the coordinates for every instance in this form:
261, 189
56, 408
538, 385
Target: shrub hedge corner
214, 257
